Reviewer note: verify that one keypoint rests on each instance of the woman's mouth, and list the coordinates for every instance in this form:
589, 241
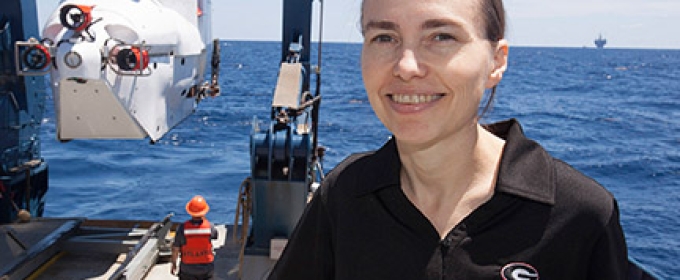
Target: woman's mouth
414, 99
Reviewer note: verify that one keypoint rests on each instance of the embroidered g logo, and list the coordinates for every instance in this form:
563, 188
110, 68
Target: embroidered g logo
519, 271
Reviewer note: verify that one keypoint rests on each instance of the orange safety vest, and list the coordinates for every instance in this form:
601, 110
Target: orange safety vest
198, 248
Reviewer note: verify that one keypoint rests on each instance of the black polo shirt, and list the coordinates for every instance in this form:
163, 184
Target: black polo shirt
544, 220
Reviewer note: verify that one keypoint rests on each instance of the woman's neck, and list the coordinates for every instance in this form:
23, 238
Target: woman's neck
451, 178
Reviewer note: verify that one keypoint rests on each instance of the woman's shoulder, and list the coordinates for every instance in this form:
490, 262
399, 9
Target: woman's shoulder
350, 168
337, 187
351, 162
580, 202
361, 173
575, 190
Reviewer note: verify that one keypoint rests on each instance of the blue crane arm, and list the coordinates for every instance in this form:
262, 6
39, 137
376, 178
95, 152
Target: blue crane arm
23, 173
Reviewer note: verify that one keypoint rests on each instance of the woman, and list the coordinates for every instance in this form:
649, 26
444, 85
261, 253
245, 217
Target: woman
448, 198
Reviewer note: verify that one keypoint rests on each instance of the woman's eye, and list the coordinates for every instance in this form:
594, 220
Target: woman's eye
444, 37
383, 38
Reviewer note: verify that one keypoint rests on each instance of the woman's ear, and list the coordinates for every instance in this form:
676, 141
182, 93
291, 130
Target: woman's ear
500, 63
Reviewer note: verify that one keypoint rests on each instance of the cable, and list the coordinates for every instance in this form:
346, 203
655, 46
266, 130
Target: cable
243, 209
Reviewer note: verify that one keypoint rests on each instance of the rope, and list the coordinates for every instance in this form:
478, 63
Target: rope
244, 207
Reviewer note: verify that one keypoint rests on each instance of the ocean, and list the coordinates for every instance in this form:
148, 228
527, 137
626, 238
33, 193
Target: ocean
614, 114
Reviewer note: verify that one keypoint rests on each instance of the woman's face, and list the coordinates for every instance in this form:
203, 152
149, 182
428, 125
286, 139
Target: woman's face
426, 64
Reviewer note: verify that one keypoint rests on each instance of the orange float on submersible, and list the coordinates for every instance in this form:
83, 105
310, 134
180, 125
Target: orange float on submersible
76, 17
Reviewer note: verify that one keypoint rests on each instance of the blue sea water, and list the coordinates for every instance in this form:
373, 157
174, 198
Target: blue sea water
614, 114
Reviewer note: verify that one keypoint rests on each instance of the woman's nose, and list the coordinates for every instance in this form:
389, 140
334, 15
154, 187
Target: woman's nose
408, 66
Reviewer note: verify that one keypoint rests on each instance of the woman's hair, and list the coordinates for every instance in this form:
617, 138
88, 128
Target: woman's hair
493, 16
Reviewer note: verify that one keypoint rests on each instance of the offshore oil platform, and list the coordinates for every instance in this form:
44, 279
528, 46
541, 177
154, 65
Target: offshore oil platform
600, 42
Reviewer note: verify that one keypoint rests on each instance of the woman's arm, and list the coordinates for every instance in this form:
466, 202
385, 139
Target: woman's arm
610, 254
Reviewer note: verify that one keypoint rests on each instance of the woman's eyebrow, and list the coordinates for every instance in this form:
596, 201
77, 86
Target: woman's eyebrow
437, 23
385, 25
429, 24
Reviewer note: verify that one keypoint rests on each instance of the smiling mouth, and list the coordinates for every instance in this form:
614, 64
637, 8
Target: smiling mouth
414, 99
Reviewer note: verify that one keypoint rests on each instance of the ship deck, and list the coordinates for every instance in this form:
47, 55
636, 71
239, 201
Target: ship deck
78, 248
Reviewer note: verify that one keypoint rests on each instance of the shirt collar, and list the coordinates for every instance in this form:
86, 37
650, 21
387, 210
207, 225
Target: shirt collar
525, 168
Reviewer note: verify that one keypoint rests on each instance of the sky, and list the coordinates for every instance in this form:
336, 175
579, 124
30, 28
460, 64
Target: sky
550, 23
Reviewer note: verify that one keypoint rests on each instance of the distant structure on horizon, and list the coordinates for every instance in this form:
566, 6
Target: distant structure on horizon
600, 42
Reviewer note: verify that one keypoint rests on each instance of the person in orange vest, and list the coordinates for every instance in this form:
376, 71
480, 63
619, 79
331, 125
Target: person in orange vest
193, 243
